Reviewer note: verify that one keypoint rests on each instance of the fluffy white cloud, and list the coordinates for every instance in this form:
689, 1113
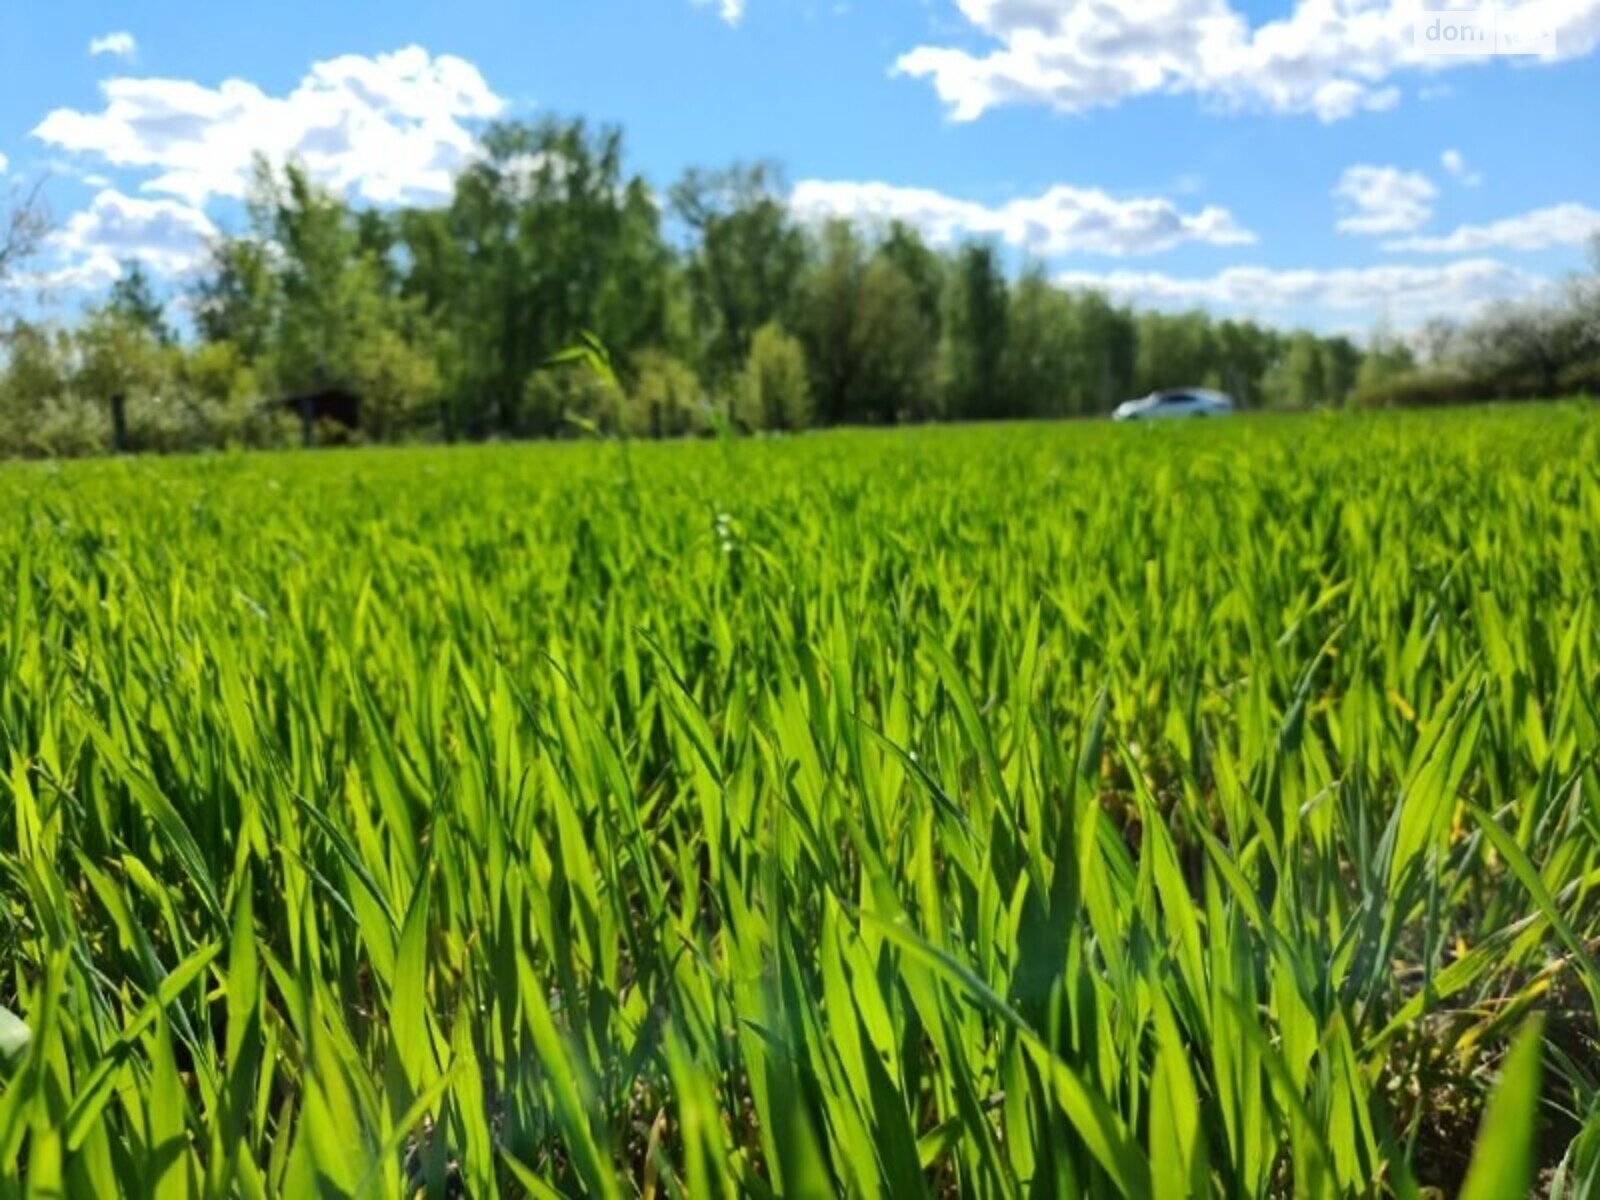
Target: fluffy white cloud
1333, 58
4, 163
118, 45
1062, 220
1557, 225
1456, 167
167, 236
1384, 199
386, 129
1404, 295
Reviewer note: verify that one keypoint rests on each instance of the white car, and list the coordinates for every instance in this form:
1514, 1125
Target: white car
1179, 402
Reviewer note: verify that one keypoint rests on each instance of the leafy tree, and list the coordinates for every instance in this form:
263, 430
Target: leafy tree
327, 285
747, 260
313, 293
1040, 350
830, 303
134, 299
1107, 343
121, 368
774, 390
973, 338
1341, 363
38, 366
1386, 359
904, 247
1176, 351
216, 371
564, 399
642, 303
551, 240
1301, 380
236, 299
666, 399
41, 412
1525, 346
1245, 352
894, 343
117, 356
398, 382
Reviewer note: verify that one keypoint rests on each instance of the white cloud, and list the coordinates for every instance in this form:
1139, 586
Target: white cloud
1333, 58
1384, 199
1557, 225
1456, 167
167, 236
4, 163
1403, 295
1062, 220
119, 45
731, 11
386, 129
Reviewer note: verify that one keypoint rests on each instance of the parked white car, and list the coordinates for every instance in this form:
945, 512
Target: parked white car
1178, 402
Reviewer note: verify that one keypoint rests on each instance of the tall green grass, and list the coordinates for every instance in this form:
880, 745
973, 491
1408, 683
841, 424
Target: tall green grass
1029, 811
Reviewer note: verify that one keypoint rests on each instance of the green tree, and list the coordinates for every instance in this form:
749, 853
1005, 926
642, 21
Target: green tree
236, 298
216, 372
121, 368
774, 390
1302, 380
1176, 350
1386, 360
326, 284
1041, 354
133, 298
1245, 352
117, 356
398, 383
905, 248
546, 238
829, 315
1341, 361
1106, 344
895, 344
973, 338
642, 303
666, 399
38, 366
747, 262
41, 411
316, 293
558, 400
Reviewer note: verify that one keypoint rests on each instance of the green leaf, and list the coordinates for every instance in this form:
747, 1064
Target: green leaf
1503, 1158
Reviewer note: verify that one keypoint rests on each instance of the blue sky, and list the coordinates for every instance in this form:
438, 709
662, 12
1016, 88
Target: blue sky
1297, 162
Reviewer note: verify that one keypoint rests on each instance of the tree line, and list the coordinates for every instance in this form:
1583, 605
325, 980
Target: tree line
716, 308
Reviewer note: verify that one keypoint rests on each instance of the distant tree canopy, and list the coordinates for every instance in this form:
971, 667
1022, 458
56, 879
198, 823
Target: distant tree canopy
718, 308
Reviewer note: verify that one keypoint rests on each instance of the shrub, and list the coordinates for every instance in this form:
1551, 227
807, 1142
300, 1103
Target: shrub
58, 427
554, 397
773, 392
667, 399
397, 382
1431, 389
1582, 377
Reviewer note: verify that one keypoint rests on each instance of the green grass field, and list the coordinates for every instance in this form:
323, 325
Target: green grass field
1003, 811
